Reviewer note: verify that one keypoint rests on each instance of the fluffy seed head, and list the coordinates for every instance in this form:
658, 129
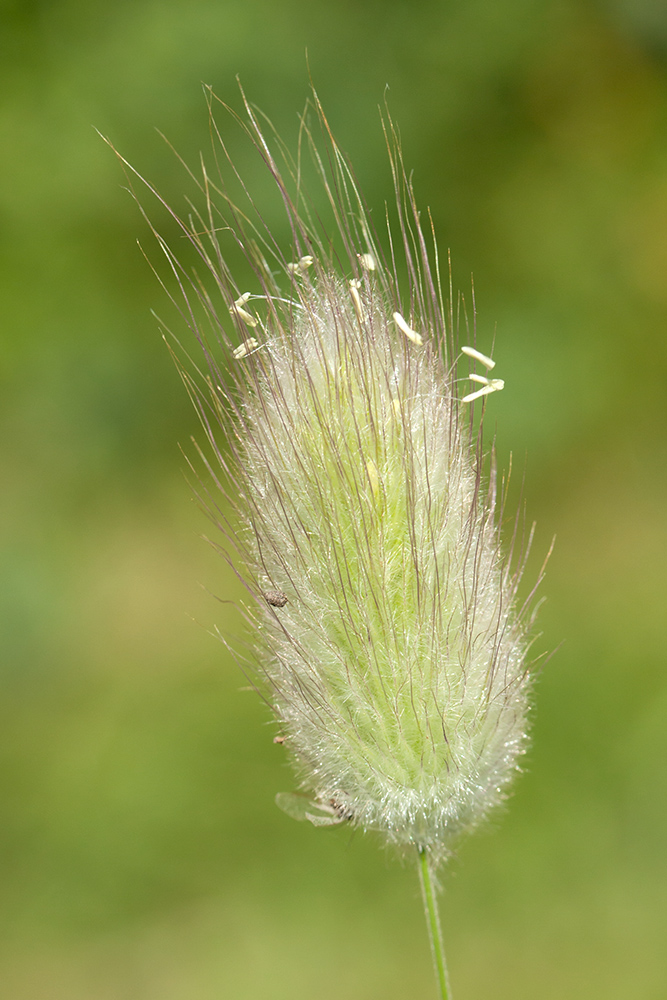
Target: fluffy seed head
388, 640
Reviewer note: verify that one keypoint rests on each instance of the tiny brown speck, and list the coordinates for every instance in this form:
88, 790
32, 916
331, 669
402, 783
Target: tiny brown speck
275, 598
278, 739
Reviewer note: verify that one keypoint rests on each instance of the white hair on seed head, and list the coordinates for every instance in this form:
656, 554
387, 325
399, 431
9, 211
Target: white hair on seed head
390, 646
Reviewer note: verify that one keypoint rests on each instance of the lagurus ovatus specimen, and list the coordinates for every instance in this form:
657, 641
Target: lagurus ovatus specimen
345, 472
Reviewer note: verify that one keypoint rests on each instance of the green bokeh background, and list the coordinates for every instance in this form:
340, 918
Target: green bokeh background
141, 855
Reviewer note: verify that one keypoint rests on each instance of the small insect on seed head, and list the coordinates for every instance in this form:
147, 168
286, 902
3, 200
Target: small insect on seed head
276, 598
320, 810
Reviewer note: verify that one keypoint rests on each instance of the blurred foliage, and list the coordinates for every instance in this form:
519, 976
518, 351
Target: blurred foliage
141, 855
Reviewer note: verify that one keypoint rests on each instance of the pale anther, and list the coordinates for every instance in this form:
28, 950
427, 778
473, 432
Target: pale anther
301, 266
472, 352
407, 330
355, 285
367, 261
238, 310
247, 318
246, 348
495, 385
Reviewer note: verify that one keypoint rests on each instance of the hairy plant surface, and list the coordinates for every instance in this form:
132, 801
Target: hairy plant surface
388, 641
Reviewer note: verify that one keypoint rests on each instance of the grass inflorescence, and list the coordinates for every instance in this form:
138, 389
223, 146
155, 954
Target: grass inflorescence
347, 480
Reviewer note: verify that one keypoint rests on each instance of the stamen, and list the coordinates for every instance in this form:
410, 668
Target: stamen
245, 316
355, 285
301, 266
407, 330
495, 385
472, 352
247, 347
367, 261
241, 313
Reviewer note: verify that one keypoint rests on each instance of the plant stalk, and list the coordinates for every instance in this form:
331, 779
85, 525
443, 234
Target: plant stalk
433, 924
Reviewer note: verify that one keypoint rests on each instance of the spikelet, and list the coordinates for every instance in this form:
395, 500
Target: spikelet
388, 641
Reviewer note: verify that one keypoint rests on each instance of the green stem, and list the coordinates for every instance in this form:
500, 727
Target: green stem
433, 924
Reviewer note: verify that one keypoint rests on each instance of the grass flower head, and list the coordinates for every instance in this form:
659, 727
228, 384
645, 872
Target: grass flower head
389, 642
